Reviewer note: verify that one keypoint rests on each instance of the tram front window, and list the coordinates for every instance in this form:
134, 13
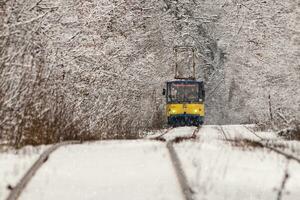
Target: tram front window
179, 92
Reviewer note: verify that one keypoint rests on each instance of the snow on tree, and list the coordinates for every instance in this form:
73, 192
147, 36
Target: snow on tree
72, 68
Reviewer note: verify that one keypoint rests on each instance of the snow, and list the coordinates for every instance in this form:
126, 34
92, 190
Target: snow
106, 170
186, 131
271, 139
171, 134
14, 164
292, 184
290, 147
267, 135
155, 134
238, 132
218, 170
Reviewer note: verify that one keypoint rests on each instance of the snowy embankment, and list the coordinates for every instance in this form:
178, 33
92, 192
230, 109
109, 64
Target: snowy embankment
14, 164
219, 169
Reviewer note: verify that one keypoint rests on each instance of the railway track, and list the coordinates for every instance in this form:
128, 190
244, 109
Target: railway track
262, 142
163, 134
223, 132
181, 176
187, 192
267, 146
21, 185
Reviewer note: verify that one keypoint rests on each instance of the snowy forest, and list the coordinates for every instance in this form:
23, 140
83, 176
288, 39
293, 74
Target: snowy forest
73, 69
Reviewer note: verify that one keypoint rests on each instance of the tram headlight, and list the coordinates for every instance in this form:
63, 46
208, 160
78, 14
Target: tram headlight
172, 111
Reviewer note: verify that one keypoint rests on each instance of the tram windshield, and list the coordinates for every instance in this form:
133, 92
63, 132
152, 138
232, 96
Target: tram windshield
183, 92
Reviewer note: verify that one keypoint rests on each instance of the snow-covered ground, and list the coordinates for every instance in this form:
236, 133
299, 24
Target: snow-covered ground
217, 169
107, 170
271, 139
171, 134
217, 166
238, 132
179, 132
14, 164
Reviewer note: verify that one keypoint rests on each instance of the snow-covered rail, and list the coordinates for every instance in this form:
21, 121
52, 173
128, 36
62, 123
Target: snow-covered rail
181, 176
182, 179
161, 137
114, 169
242, 132
38, 173
264, 143
17, 190
223, 133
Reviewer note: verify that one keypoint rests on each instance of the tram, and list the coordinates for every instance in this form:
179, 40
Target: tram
185, 96
185, 102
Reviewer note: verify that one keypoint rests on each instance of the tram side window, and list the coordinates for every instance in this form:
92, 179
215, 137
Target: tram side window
172, 93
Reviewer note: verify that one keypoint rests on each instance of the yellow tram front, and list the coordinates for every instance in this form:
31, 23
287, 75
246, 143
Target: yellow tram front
185, 102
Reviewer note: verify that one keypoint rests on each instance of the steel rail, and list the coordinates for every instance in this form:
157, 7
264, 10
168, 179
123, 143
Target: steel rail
223, 132
164, 133
254, 133
181, 176
287, 155
21, 185
196, 131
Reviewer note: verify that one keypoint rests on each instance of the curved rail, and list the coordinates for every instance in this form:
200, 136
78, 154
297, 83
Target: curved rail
187, 192
17, 190
287, 155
